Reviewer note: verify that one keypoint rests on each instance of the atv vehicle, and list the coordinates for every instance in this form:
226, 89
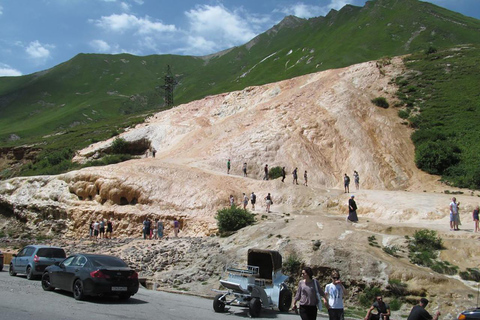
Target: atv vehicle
258, 284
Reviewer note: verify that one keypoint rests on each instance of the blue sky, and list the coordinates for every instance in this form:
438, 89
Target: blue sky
39, 34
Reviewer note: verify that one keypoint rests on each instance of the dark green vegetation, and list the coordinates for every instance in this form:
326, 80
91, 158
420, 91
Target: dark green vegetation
93, 97
233, 219
274, 173
423, 250
441, 94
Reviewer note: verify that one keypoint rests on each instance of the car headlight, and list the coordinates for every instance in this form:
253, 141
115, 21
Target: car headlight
461, 316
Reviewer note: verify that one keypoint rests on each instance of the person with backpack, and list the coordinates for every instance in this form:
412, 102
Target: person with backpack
268, 202
108, 235
310, 295
253, 199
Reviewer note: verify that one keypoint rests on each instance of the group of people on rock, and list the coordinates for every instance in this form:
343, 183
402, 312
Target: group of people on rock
310, 296
155, 229
346, 181
101, 229
253, 201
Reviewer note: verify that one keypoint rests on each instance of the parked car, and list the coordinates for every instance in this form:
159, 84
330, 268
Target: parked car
470, 314
33, 259
1, 260
258, 284
92, 275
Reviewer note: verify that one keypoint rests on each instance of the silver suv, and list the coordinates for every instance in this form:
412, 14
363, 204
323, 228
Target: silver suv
32, 260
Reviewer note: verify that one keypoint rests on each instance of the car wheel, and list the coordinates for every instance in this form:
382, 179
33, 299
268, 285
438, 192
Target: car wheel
124, 296
254, 307
285, 300
11, 271
219, 303
78, 290
30, 275
46, 282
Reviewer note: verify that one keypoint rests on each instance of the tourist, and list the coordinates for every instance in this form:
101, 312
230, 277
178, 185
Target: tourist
253, 199
244, 169
475, 219
454, 215
91, 229
383, 310
334, 293
232, 201
310, 295
160, 229
245, 201
228, 166
155, 229
265, 169
268, 202
96, 229
102, 228
356, 178
284, 173
176, 227
346, 183
418, 312
109, 229
295, 176
305, 178
352, 209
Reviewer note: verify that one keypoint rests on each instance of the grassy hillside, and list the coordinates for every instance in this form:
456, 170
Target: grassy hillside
92, 97
442, 99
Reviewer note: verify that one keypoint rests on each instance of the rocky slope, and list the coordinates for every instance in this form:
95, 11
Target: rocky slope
324, 123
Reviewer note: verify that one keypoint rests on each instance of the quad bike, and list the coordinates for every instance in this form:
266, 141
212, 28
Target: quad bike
258, 284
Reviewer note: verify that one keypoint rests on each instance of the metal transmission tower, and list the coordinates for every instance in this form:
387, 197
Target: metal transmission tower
170, 83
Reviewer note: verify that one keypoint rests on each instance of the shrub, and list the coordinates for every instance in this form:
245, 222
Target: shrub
472, 274
395, 304
404, 114
428, 240
431, 50
274, 173
233, 219
292, 264
436, 156
119, 146
381, 102
392, 250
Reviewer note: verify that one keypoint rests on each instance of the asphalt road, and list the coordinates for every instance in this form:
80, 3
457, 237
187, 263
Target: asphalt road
22, 299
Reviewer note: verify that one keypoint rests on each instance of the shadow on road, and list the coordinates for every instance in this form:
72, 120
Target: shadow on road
112, 300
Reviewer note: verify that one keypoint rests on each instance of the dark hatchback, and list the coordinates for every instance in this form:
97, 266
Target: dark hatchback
92, 275
470, 314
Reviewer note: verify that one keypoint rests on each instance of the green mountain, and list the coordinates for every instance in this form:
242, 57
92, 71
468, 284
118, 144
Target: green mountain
93, 96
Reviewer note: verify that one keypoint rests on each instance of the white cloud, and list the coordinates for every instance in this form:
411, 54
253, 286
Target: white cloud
100, 45
1, 10
7, 71
215, 27
303, 10
39, 52
125, 6
128, 22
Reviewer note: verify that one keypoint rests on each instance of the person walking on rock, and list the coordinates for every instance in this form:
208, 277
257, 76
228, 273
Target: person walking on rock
356, 178
352, 209
475, 219
102, 228
268, 202
245, 201
418, 312
295, 176
334, 294
265, 169
108, 235
305, 178
176, 227
160, 229
284, 173
232, 201
96, 229
244, 169
253, 199
346, 183
454, 216
228, 166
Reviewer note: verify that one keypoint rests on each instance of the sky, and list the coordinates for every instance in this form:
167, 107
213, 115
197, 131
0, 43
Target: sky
36, 35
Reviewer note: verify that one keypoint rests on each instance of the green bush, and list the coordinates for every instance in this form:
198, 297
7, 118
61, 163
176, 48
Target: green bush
391, 250
274, 173
233, 219
119, 146
428, 240
292, 265
472, 274
381, 102
436, 157
404, 114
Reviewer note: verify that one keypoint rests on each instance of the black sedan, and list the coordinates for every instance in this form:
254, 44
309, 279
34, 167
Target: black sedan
470, 314
91, 275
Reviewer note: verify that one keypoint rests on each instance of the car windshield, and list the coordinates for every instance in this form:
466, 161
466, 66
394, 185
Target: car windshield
51, 253
107, 262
